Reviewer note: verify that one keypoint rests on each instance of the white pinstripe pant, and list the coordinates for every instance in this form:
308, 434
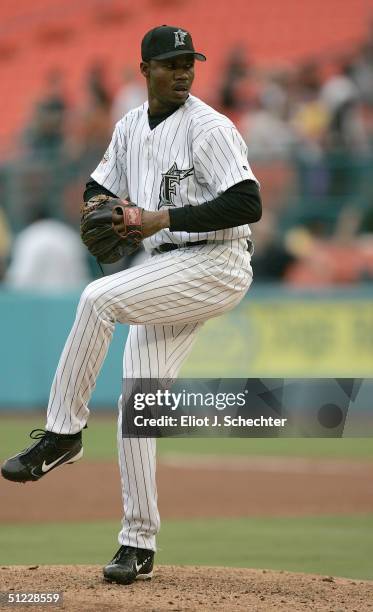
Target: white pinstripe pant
165, 300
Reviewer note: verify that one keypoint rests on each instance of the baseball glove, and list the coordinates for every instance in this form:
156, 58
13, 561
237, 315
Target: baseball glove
110, 228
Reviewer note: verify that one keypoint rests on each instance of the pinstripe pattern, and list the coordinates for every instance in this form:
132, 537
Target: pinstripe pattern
152, 351
195, 136
182, 286
191, 157
165, 300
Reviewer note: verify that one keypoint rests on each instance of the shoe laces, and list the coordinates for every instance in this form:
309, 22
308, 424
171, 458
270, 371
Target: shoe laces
37, 434
40, 434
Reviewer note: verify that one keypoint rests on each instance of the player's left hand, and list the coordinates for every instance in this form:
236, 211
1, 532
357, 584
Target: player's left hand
111, 228
151, 222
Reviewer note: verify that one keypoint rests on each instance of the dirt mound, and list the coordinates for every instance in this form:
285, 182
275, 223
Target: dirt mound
190, 588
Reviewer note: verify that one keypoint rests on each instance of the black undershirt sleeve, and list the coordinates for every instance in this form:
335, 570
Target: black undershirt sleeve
239, 205
93, 188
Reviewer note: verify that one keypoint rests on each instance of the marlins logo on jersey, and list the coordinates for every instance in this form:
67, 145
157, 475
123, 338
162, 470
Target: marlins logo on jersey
170, 180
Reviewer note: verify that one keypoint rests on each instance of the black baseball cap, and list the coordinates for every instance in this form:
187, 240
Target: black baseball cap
168, 41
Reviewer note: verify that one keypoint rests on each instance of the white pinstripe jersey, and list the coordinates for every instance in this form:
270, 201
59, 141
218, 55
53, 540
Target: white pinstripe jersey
191, 157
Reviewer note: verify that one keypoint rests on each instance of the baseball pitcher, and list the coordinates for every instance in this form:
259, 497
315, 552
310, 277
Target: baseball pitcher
175, 177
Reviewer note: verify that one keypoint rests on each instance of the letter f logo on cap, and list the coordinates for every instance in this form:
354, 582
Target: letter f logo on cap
179, 38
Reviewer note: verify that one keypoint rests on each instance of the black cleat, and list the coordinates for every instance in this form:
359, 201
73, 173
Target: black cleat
51, 451
130, 564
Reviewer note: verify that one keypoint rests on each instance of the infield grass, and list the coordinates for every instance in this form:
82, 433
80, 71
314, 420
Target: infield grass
100, 442
339, 546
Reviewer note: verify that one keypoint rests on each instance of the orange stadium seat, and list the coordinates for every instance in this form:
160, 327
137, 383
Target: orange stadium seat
46, 34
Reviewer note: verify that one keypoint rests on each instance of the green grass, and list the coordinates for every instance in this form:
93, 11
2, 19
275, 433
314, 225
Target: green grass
339, 546
352, 448
100, 442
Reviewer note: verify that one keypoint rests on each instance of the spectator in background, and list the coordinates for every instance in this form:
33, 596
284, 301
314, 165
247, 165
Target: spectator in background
275, 92
324, 261
47, 256
271, 256
266, 130
5, 241
346, 139
45, 134
39, 173
366, 225
340, 96
232, 98
309, 115
91, 126
308, 118
363, 68
98, 88
131, 95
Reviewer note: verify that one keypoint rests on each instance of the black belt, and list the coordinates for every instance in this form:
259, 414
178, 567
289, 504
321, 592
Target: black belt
168, 246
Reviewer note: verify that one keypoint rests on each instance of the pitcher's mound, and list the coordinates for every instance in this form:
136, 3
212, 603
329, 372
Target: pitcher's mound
189, 588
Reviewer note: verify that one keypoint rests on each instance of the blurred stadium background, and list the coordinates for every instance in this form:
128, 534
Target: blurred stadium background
297, 79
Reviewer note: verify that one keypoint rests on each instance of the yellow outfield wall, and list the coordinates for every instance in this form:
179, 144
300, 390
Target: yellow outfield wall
287, 338
274, 332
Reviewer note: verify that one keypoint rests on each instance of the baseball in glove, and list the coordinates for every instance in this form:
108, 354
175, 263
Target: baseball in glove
110, 228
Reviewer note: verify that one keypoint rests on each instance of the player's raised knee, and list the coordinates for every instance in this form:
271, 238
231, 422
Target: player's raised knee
91, 294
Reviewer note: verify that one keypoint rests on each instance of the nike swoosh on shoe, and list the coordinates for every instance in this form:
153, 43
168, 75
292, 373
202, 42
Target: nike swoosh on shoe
139, 566
46, 467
